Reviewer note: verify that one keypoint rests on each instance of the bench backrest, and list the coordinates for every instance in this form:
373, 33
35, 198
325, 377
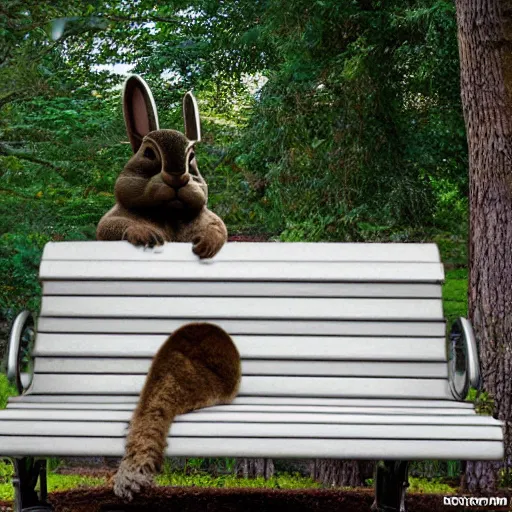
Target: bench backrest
324, 320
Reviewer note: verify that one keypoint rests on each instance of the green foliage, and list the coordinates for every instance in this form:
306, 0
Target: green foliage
430, 486
55, 481
201, 479
19, 263
426, 485
58, 482
455, 295
357, 134
484, 404
432, 469
6, 390
359, 127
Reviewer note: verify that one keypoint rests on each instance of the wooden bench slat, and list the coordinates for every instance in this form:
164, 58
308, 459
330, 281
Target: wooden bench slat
233, 251
248, 307
282, 409
243, 271
253, 447
251, 367
47, 383
260, 430
242, 289
233, 415
250, 347
371, 449
255, 400
243, 327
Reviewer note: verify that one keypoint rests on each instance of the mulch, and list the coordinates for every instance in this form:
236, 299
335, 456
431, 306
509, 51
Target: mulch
192, 499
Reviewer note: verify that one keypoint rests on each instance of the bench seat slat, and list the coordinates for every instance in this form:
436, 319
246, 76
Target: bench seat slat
249, 307
251, 347
243, 271
450, 403
243, 327
233, 251
254, 447
141, 366
259, 430
241, 289
270, 386
101, 406
232, 414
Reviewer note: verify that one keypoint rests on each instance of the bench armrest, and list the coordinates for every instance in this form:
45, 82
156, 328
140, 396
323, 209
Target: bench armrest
20, 344
463, 363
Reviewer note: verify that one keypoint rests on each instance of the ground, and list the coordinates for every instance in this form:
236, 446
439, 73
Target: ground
238, 500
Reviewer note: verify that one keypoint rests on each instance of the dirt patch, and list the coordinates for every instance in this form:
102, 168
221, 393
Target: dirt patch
192, 499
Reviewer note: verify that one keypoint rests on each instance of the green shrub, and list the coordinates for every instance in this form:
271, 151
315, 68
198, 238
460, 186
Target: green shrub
201, 479
6, 390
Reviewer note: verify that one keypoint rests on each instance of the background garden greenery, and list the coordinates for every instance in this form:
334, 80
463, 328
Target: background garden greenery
356, 135
322, 121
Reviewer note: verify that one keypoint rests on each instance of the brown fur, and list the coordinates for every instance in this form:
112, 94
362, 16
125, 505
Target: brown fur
198, 366
160, 194
149, 211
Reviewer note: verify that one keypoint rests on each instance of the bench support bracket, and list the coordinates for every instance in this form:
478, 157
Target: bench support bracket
391, 482
27, 471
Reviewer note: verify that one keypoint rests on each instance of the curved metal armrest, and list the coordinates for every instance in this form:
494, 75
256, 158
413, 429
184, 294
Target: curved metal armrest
463, 363
22, 327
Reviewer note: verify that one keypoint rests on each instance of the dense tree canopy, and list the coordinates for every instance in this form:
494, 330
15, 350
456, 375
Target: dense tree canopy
358, 130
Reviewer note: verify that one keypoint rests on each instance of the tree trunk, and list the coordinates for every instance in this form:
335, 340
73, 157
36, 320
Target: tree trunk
253, 468
341, 473
485, 48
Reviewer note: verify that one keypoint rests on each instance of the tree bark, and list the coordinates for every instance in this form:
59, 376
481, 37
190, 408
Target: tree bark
485, 48
341, 473
253, 468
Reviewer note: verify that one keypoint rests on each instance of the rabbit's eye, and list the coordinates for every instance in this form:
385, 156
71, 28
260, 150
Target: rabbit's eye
149, 153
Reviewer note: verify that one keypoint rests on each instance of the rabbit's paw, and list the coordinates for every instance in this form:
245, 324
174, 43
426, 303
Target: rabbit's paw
130, 480
143, 235
207, 246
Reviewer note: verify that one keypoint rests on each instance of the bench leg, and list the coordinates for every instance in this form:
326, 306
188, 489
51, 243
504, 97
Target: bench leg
391, 483
27, 471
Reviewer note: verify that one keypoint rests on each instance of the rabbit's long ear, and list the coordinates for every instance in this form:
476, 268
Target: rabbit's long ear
139, 109
191, 117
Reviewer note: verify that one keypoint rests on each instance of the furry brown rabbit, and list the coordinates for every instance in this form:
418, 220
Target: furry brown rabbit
198, 366
160, 194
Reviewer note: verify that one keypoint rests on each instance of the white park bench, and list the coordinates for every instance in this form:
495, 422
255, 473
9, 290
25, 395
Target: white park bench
343, 353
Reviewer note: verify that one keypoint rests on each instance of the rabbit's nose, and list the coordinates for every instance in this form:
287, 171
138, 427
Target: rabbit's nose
175, 180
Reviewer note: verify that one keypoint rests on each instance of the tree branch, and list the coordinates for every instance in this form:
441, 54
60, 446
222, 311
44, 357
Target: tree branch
140, 19
14, 193
5, 150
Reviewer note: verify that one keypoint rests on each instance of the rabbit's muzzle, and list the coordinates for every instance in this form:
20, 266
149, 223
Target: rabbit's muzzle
175, 181
180, 191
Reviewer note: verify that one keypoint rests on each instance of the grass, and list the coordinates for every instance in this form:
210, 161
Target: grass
55, 481
430, 486
455, 298
58, 482
201, 479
